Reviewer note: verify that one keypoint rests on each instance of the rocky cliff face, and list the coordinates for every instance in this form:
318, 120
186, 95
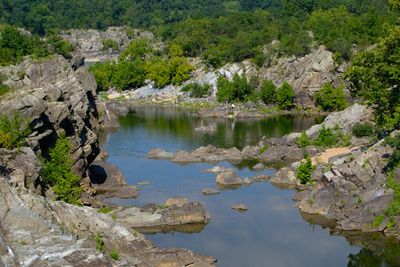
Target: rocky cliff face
35, 231
90, 42
306, 74
54, 98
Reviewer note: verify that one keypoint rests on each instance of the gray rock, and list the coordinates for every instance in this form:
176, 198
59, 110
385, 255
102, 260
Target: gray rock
240, 207
176, 201
227, 179
158, 153
210, 191
259, 167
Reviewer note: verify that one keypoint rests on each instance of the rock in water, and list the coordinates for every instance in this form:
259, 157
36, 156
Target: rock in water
259, 167
240, 207
210, 191
229, 179
176, 201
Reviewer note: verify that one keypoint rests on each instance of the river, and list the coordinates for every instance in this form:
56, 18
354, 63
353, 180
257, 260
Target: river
271, 233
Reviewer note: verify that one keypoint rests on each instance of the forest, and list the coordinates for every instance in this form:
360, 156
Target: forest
221, 31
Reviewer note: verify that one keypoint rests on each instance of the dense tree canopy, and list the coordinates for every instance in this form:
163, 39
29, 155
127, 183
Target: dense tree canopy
375, 76
219, 30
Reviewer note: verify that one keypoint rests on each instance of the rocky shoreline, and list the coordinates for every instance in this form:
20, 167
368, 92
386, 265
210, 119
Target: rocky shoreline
57, 96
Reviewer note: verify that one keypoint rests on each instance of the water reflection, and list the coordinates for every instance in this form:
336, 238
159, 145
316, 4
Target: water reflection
270, 233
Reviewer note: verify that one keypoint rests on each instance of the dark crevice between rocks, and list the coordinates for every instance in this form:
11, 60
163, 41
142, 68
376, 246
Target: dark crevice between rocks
68, 127
92, 103
97, 174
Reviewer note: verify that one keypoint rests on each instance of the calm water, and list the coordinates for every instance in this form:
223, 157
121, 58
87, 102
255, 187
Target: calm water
271, 233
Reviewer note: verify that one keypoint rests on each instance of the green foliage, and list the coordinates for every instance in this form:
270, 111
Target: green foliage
330, 98
394, 159
98, 239
285, 96
331, 138
218, 30
363, 129
239, 89
4, 89
268, 92
378, 220
127, 75
60, 46
110, 44
304, 171
138, 49
303, 140
394, 206
13, 131
375, 76
197, 90
15, 44
103, 73
114, 255
105, 210
57, 172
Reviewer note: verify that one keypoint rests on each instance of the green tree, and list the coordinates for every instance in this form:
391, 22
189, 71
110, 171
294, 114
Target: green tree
268, 92
330, 98
57, 172
138, 49
128, 75
285, 96
375, 76
103, 73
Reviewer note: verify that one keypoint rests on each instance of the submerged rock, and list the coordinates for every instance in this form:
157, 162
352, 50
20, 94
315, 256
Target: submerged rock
210, 191
159, 153
240, 207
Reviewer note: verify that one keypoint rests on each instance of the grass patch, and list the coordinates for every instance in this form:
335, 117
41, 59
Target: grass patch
163, 206
13, 131
114, 255
378, 220
104, 210
98, 239
263, 149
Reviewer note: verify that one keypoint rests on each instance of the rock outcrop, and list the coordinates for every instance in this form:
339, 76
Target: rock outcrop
90, 42
352, 191
35, 231
306, 74
54, 97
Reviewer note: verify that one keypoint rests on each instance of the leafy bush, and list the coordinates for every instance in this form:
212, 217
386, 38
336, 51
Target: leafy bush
363, 129
303, 140
127, 75
326, 138
57, 172
239, 89
331, 138
103, 73
330, 98
304, 171
268, 92
4, 89
13, 131
110, 44
197, 90
285, 96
